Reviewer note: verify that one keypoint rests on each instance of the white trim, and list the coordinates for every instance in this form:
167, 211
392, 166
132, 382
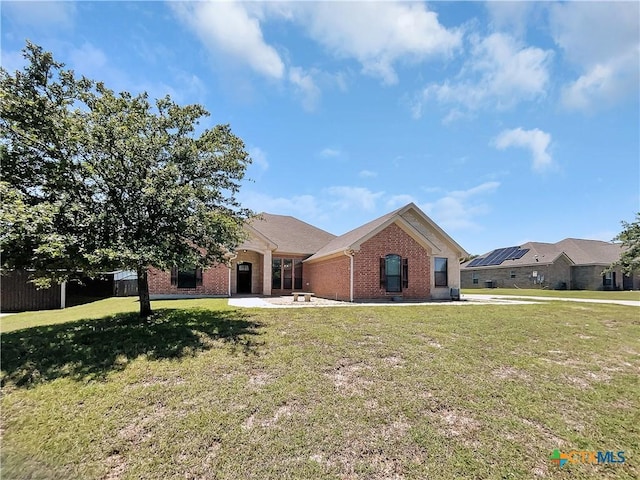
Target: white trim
349, 253
63, 295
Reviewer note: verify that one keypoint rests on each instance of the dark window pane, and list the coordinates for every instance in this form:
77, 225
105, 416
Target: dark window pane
287, 272
297, 275
393, 271
440, 274
405, 273
187, 278
276, 273
393, 283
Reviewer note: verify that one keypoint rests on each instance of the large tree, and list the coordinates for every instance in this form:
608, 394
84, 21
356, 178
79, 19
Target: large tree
630, 239
95, 181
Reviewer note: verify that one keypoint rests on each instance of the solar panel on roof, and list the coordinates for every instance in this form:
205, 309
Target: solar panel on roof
475, 262
498, 256
506, 253
492, 256
520, 253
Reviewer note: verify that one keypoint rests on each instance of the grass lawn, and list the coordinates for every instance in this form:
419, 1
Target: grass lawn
533, 292
406, 392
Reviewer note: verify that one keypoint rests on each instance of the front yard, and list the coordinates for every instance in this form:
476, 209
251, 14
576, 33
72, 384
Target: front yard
408, 392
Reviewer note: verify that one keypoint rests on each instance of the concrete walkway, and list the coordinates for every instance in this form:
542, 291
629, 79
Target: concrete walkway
467, 299
287, 302
477, 296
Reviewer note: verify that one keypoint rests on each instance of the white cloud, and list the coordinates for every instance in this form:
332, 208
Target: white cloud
12, 61
534, 140
259, 158
46, 15
511, 16
603, 40
500, 73
229, 28
305, 86
88, 58
397, 201
329, 152
367, 174
457, 210
353, 198
301, 206
377, 34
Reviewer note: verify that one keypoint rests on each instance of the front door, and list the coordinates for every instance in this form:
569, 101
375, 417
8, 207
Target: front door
244, 277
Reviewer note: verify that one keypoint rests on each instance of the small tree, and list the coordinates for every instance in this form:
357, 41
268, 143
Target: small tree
629, 238
100, 181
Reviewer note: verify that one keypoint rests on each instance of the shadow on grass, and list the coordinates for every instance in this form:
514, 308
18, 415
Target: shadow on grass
89, 349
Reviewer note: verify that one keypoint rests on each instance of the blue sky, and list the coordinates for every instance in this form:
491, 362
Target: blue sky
505, 122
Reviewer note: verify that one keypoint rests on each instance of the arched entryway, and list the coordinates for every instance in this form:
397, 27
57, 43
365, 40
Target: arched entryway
243, 278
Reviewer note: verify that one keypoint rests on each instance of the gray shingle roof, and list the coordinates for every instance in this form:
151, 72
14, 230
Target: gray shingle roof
290, 234
580, 251
344, 242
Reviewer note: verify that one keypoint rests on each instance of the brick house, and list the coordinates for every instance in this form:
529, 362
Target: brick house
401, 255
572, 263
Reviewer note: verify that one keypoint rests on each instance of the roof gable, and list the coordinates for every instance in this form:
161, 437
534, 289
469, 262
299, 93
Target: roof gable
290, 235
409, 217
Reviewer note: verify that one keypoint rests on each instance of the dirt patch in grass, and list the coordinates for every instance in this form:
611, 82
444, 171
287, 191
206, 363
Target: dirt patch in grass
117, 466
283, 411
393, 361
510, 373
543, 431
456, 423
346, 377
139, 430
260, 379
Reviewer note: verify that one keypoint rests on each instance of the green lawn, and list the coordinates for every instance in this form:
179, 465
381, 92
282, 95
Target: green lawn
409, 392
532, 292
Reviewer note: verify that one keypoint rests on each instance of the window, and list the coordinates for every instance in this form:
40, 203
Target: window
440, 271
287, 277
187, 278
512, 274
394, 273
609, 279
286, 274
276, 273
474, 278
297, 275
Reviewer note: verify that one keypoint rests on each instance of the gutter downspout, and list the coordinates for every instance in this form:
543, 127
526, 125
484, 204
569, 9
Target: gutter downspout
349, 253
231, 260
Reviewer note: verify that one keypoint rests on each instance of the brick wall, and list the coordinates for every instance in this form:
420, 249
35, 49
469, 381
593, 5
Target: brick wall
329, 278
215, 281
392, 240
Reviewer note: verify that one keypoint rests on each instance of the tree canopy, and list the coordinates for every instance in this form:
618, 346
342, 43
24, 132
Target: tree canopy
630, 238
95, 181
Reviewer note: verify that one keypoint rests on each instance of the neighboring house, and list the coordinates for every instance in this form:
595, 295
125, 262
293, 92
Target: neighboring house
572, 263
401, 255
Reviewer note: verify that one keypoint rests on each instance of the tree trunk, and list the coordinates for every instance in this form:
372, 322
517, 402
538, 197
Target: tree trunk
143, 292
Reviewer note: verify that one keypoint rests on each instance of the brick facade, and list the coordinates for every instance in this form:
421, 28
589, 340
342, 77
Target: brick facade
215, 281
391, 240
329, 278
